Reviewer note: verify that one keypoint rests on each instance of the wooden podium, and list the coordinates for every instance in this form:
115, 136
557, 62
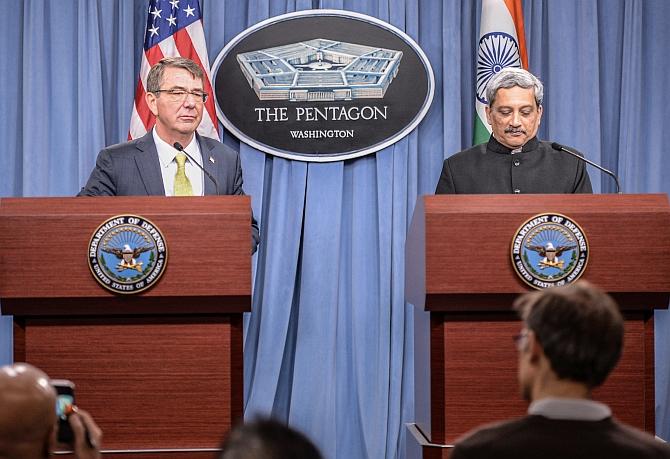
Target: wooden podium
161, 370
459, 270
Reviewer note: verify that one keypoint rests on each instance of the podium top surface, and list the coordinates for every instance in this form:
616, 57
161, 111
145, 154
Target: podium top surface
525, 203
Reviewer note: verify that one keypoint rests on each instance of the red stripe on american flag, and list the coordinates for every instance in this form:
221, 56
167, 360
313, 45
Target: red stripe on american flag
185, 47
142, 108
154, 55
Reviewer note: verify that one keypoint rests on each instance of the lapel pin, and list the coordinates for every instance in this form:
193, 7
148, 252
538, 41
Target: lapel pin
212, 160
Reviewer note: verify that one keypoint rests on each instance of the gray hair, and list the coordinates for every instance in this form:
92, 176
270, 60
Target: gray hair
155, 77
510, 77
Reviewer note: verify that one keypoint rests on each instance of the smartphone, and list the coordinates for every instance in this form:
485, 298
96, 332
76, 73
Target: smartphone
64, 404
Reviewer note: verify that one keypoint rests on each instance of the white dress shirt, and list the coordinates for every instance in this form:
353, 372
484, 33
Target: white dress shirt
166, 156
572, 409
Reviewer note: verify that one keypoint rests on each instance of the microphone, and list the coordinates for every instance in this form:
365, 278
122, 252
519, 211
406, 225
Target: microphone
559, 147
179, 147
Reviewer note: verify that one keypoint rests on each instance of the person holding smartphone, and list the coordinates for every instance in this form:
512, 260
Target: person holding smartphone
28, 420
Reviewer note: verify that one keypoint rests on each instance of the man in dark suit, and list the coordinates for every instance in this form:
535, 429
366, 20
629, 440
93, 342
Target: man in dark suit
571, 340
513, 160
153, 165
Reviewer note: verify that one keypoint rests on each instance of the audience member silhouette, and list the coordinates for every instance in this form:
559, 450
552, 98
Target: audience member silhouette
571, 340
267, 439
28, 423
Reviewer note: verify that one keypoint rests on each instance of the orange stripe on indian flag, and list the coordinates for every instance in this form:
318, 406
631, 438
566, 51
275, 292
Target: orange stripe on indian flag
516, 11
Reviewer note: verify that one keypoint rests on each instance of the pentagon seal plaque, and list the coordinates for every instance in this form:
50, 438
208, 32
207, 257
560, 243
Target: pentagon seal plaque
322, 85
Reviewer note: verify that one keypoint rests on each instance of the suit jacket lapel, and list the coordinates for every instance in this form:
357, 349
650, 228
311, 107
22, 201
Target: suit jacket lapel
206, 152
149, 166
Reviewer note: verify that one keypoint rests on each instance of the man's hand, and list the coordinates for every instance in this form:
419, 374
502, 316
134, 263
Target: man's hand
85, 430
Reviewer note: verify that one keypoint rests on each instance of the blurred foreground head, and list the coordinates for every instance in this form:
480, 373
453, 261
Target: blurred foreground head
267, 439
27, 412
572, 334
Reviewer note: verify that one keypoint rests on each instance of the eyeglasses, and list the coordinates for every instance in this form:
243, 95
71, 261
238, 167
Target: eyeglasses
520, 340
180, 95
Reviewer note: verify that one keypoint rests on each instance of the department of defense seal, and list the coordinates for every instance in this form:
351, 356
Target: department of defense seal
549, 250
127, 254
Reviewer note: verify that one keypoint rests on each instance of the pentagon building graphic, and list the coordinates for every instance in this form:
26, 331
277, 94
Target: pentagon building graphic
320, 70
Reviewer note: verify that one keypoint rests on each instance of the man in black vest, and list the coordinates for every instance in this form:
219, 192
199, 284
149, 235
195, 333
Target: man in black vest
571, 340
513, 160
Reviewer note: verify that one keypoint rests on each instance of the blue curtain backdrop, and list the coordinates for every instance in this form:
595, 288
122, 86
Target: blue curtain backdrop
328, 345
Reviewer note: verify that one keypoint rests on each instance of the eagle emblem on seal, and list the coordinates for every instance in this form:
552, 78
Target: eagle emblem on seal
551, 255
127, 256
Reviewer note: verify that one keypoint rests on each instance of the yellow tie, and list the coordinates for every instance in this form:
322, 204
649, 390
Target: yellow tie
182, 185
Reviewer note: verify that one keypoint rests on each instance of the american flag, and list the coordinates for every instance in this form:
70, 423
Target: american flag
174, 28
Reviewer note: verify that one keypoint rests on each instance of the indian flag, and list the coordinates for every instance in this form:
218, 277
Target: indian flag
502, 43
